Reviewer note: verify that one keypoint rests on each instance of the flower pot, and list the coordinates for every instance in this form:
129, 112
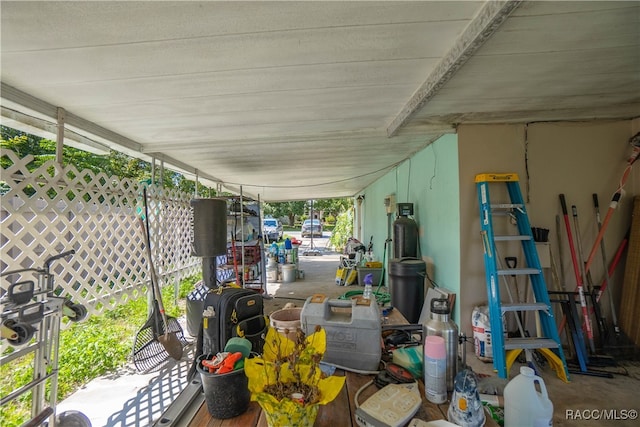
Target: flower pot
226, 395
289, 413
286, 319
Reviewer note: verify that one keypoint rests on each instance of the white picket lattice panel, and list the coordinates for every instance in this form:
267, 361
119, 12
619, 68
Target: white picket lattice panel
55, 209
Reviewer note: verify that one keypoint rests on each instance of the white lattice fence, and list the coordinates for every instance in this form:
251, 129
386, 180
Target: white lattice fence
55, 209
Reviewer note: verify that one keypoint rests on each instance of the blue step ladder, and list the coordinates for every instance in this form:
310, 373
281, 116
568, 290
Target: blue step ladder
506, 350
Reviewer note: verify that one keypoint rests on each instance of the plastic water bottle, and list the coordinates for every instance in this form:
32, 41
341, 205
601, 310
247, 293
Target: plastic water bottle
368, 289
524, 405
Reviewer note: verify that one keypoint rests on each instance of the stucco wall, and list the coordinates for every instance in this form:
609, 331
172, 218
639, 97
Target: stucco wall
429, 180
577, 159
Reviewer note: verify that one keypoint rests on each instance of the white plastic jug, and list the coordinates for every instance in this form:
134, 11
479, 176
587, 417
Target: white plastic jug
524, 405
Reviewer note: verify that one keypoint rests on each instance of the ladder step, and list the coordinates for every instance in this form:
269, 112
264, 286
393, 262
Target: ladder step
518, 271
529, 343
511, 237
506, 206
525, 306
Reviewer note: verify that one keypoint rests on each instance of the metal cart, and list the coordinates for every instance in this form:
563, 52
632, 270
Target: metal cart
31, 317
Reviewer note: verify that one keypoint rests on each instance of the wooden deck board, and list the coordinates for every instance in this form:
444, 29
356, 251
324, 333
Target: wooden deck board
337, 412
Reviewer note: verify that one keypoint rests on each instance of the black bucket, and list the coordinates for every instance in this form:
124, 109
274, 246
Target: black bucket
227, 395
406, 283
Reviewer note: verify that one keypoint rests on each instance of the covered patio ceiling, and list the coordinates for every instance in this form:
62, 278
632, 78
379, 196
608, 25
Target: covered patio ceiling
299, 100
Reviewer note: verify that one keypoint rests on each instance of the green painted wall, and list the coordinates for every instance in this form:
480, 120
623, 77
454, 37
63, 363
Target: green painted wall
430, 181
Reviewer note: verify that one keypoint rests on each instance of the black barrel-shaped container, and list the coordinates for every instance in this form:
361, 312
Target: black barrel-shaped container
194, 307
405, 237
226, 395
406, 283
208, 227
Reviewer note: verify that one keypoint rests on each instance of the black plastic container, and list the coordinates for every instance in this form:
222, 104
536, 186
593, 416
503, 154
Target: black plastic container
226, 395
405, 238
208, 227
406, 283
194, 307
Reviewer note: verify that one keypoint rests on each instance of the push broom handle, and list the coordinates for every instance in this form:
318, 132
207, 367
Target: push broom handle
635, 143
603, 253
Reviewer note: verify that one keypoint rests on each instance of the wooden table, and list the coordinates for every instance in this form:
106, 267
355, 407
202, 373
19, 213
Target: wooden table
339, 413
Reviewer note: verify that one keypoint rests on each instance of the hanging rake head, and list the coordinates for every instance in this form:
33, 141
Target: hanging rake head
149, 355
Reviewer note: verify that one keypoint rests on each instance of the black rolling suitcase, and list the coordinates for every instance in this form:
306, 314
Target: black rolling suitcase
232, 312
227, 313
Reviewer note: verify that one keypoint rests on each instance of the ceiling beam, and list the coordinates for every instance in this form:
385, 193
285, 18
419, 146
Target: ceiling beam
79, 126
479, 30
415, 132
47, 129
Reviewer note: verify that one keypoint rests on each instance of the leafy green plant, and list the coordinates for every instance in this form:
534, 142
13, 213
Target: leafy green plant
342, 230
187, 285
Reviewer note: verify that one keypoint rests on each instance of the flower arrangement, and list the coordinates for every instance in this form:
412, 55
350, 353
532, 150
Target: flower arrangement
286, 380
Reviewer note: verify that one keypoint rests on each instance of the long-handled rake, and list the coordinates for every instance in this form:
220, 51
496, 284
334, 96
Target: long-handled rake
161, 336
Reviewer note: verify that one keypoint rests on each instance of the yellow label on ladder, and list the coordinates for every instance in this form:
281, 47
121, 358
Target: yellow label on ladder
497, 177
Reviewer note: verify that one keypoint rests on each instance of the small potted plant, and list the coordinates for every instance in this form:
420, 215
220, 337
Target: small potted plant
286, 380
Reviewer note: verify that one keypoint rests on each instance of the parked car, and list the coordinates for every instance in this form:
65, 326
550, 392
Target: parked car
272, 228
308, 231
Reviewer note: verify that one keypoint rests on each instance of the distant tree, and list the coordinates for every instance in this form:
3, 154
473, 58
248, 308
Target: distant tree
333, 206
291, 210
112, 164
323, 208
300, 209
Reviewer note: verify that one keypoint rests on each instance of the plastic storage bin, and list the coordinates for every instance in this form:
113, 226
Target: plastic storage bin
352, 327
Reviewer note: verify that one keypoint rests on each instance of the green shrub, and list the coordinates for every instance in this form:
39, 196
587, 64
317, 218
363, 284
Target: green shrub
342, 230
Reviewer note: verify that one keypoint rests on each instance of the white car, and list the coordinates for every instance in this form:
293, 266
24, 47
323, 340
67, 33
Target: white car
272, 228
307, 230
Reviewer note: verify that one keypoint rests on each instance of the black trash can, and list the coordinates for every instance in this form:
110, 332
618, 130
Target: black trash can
194, 307
226, 395
406, 283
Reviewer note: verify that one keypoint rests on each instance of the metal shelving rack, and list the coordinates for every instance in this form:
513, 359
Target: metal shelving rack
251, 261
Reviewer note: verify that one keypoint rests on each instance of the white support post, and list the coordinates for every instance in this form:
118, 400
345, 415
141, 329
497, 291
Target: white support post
60, 135
195, 192
153, 169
